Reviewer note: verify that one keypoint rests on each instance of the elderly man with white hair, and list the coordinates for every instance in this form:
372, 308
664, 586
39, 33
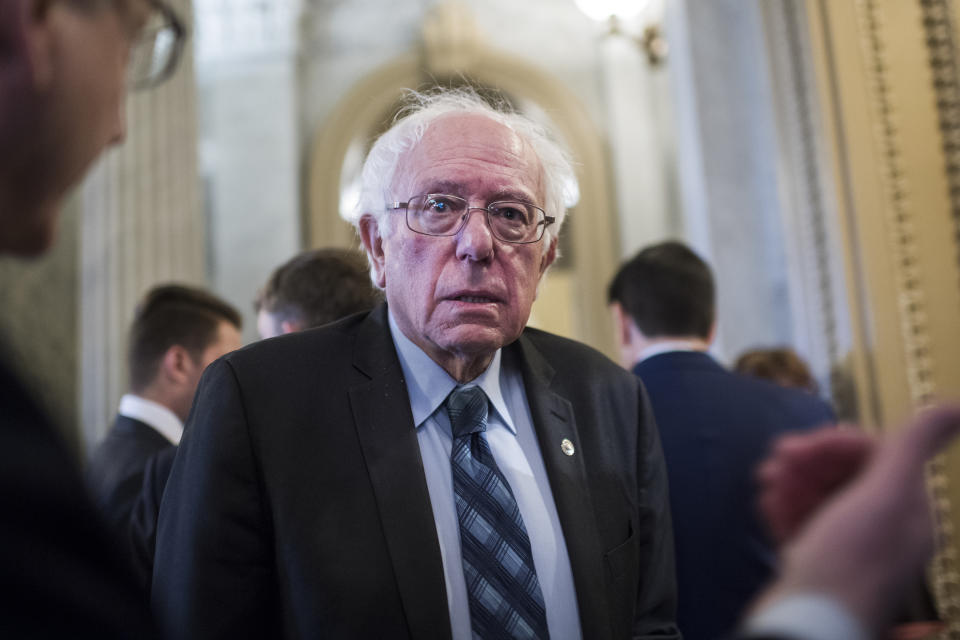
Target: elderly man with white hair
433, 468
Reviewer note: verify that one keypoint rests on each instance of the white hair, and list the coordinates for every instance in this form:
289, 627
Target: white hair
411, 123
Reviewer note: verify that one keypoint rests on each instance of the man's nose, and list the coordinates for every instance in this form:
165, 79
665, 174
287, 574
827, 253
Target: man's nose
475, 240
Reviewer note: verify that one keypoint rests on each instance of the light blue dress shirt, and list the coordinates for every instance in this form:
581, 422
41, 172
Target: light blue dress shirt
513, 442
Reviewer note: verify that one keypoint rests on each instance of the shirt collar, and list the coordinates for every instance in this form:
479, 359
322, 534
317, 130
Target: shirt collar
428, 384
673, 345
154, 414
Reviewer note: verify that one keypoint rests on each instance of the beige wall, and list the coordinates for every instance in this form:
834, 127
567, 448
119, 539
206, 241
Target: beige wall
887, 122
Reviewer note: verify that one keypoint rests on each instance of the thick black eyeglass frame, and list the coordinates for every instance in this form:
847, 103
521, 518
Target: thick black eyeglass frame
547, 220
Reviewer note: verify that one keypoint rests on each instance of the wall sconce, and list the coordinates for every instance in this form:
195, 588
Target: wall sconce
616, 12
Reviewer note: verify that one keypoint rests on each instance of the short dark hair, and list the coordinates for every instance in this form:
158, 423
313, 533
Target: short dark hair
667, 290
173, 314
318, 286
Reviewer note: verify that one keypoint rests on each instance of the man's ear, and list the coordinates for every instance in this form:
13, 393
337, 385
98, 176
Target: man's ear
713, 333
548, 257
176, 364
373, 245
622, 324
289, 326
630, 340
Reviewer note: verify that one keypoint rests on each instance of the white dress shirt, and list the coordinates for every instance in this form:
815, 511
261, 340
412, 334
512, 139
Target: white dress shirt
667, 346
163, 421
805, 616
514, 445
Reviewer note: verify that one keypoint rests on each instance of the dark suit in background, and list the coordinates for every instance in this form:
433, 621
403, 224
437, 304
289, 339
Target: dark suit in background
60, 575
142, 533
116, 469
716, 426
298, 507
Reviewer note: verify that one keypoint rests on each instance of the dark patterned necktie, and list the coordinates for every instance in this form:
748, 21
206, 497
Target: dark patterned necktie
505, 596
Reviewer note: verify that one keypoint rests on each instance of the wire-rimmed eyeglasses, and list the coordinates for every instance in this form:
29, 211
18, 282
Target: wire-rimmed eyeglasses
437, 214
156, 50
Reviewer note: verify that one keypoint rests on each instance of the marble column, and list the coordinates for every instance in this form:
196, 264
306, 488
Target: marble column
811, 222
727, 166
141, 224
248, 83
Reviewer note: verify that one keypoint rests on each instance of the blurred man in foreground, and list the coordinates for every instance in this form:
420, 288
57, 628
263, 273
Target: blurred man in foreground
63, 80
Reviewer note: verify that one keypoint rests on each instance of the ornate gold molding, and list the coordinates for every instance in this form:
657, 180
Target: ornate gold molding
811, 171
900, 213
818, 283
901, 223
888, 77
938, 25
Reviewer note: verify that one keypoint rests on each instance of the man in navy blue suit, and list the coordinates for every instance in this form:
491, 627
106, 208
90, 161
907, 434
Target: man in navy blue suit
716, 426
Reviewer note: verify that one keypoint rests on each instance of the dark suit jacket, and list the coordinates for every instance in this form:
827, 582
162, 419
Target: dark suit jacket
297, 505
115, 471
142, 532
716, 426
60, 573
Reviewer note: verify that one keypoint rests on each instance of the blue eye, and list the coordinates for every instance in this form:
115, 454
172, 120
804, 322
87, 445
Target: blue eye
442, 205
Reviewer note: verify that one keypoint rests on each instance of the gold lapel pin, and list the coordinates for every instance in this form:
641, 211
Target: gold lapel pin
566, 446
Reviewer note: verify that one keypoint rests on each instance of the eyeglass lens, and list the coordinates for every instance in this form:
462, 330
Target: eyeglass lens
441, 215
154, 54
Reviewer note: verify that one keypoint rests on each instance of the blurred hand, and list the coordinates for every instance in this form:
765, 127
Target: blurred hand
865, 543
804, 470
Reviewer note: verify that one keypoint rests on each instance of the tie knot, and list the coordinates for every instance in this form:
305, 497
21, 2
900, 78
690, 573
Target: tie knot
467, 408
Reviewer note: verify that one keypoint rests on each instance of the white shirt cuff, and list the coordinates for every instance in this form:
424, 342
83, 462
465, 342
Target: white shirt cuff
805, 616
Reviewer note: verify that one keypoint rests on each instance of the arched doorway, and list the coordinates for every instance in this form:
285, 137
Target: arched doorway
572, 300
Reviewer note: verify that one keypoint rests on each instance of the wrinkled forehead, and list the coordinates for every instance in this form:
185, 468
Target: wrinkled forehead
470, 153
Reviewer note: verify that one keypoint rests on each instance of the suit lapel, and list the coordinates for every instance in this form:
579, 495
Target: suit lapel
554, 421
381, 410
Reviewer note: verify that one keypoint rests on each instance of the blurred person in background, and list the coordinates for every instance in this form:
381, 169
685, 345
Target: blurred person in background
313, 288
716, 426
176, 332
780, 365
309, 290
